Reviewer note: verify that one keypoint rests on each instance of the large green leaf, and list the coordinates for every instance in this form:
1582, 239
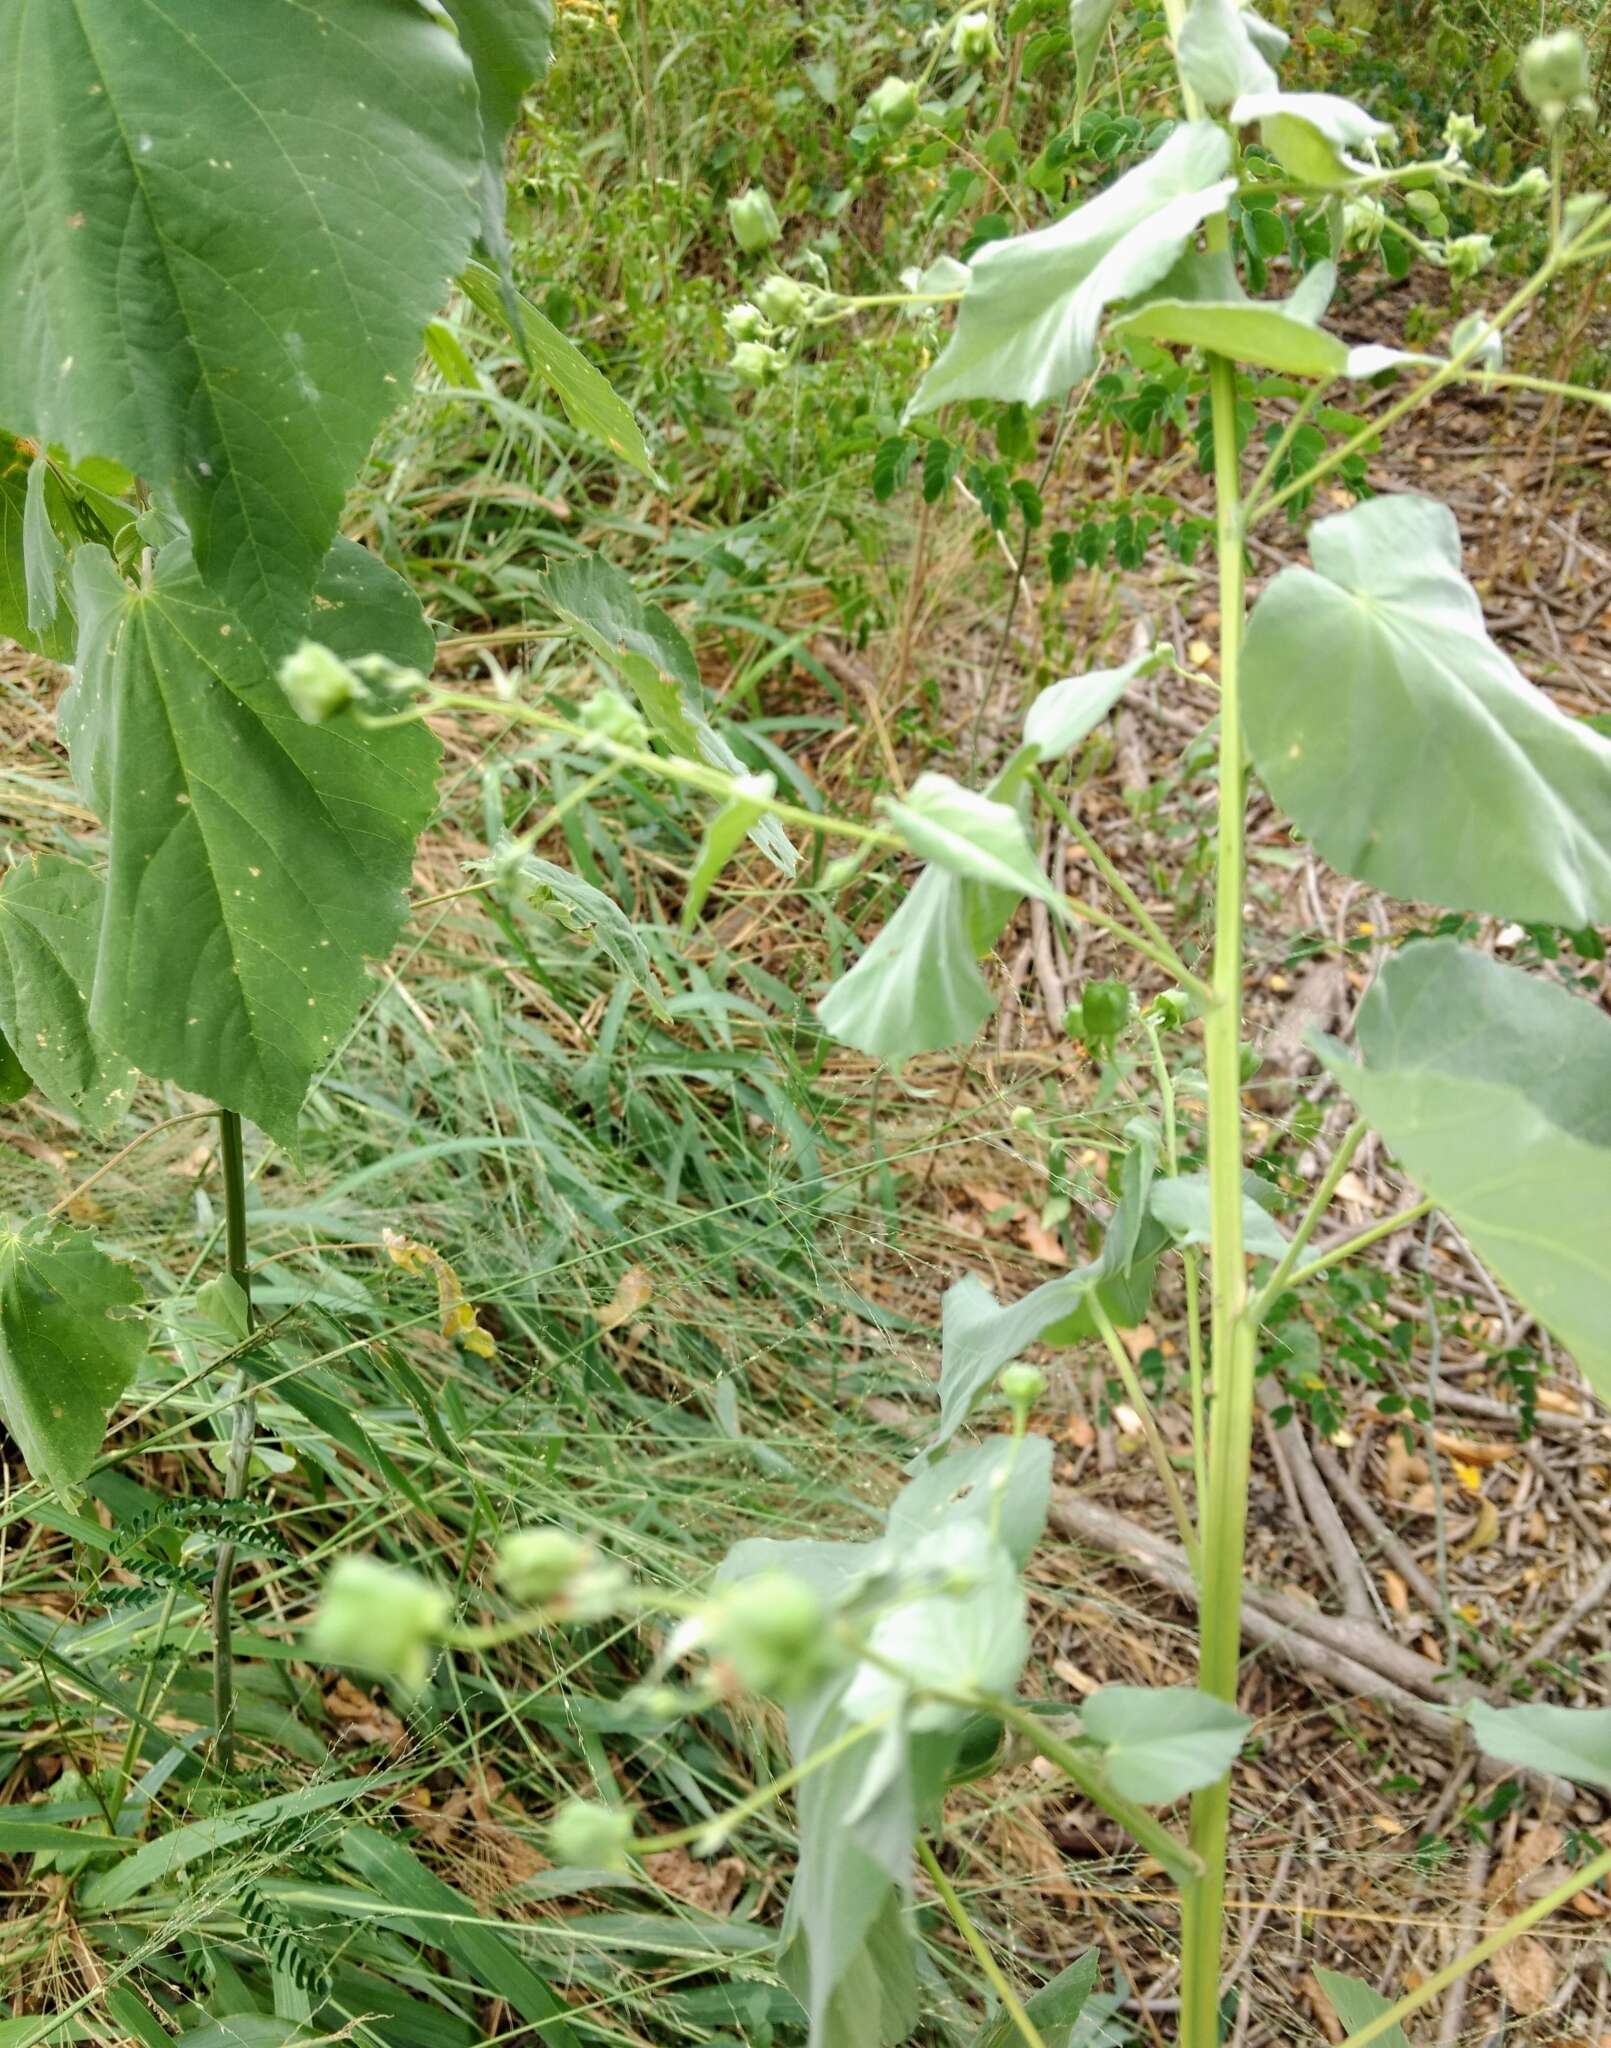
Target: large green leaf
1200, 304
643, 646
1028, 324
1161, 1742
1493, 1088
510, 43
590, 401
1405, 744
69, 1345
255, 860
50, 923
222, 229
1569, 1742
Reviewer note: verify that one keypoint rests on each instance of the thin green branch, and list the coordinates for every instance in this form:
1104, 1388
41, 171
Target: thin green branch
1351, 1247
1319, 1203
982, 1955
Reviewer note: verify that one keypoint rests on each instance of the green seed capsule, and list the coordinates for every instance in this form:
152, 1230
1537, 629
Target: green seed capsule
753, 219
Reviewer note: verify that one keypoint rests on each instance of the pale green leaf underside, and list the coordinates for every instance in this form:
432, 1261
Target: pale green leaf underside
1066, 712
1400, 739
1493, 1089
1161, 1742
255, 861
970, 836
1356, 2005
69, 1345
917, 988
643, 646
723, 836
50, 922
222, 229
1029, 320
1219, 56
590, 401
1569, 1742
1311, 134
1182, 1205
1200, 304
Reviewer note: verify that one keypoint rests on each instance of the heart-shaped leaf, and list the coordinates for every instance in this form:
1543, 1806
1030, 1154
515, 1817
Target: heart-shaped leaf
1183, 1206
255, 861
1493, 1088
1028, 324
1161, 1742
979, 1335
50, 924
1405, 744
1065, 712
970, 836
69, 1345
222, 279
1053, 2010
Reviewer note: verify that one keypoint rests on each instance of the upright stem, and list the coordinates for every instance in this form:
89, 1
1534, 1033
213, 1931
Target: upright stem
243, 1423
1223, 1517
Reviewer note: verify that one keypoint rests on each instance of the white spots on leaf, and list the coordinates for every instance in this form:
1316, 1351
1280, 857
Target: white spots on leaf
146, 145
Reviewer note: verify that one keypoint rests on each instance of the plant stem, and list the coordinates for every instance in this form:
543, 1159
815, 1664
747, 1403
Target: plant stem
1319, 1203
1224, 1521
243, 1411
1362, 1241
1083, 1772
1490, 1945
1010, 2002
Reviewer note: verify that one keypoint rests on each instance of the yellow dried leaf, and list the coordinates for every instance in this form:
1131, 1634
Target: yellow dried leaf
634, 1290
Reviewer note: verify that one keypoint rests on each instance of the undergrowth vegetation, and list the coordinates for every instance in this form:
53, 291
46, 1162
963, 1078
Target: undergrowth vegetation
377, 1672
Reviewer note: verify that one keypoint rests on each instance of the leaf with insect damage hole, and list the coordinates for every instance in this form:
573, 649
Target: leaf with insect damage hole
255, 861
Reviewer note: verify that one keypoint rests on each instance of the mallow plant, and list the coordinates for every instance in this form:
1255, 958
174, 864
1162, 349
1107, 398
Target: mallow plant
223, 231
1366, 694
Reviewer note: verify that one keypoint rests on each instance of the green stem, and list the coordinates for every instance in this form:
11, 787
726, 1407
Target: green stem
243, 1410
1362, 1240
1144, 1828
1069, 818
1319, 1203
1010, 2002
1231, 1347
1490, 1945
